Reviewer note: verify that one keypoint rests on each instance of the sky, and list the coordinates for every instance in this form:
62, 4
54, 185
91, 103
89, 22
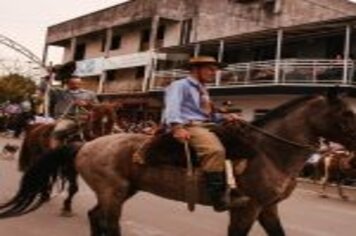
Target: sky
26, 21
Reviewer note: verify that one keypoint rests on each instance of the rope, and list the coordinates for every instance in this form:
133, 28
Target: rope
190, 170
66, 111
278, 138
191, 182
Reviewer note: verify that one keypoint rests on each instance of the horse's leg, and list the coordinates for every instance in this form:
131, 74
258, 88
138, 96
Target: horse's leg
270, 221
94, 218
340, 190
325, 179
324, 184
242, 219
72, 190
105, 219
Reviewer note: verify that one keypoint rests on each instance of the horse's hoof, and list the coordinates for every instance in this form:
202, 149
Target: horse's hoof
67, 214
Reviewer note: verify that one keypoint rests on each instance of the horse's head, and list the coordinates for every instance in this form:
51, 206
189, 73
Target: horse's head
101, 119
333, 119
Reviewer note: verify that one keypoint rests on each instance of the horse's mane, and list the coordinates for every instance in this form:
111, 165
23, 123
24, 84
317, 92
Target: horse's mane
282, 110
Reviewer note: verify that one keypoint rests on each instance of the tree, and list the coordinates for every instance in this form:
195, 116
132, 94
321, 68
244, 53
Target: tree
15, 87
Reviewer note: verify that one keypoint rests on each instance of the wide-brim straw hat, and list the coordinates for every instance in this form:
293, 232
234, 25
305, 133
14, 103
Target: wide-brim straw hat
202, 61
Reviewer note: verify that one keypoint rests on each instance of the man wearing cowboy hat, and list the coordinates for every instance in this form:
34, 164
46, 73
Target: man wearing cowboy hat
188, 110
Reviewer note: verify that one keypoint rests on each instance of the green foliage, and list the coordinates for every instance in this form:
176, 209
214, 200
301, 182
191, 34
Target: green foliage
15, 87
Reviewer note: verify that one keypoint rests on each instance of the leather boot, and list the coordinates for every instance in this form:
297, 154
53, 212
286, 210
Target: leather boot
221, 198
216, 188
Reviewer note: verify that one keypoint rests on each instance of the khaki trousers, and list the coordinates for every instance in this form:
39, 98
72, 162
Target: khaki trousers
208, 147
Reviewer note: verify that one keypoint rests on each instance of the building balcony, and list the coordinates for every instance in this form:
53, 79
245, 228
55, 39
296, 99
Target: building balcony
286, 72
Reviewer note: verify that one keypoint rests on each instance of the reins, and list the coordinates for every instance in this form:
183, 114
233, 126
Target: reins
276, 137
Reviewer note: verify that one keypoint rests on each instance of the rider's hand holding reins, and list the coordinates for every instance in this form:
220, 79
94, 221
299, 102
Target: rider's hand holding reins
232, 117
81, 103
180, 133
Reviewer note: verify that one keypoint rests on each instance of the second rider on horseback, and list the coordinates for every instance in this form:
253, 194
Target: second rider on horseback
69, 109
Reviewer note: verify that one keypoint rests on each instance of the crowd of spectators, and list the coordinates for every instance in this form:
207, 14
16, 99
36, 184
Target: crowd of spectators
14, 115
134, 125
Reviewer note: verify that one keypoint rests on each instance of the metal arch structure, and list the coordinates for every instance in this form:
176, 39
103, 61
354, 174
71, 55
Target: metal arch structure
21, 49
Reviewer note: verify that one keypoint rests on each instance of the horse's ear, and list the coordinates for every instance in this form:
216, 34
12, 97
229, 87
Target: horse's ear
333, 94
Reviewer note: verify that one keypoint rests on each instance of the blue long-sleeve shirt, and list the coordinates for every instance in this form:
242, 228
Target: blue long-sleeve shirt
183, 103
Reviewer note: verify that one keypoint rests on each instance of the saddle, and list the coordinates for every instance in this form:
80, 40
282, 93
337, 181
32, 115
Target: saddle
164, 149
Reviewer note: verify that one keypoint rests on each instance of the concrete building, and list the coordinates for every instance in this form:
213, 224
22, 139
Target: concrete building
276, 49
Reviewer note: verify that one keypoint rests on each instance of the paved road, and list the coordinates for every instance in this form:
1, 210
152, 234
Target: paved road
304, 214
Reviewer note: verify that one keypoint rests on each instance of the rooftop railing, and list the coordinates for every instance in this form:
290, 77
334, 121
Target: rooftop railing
286, 71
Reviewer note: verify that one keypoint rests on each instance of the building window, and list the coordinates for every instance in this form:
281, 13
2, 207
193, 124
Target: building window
160, 33
145, 40
140, 72
115, 42
160, 36
103, 43
270, 6
79, 53
186, 30
110, 75
266, 2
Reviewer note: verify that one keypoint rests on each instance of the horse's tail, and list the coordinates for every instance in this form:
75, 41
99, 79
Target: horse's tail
23, 161
26, 151
37, 182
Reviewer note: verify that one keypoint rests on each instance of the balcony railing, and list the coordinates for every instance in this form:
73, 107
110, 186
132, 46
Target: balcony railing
286, 71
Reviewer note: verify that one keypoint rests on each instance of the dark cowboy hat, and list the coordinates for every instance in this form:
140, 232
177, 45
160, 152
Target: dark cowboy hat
203, 61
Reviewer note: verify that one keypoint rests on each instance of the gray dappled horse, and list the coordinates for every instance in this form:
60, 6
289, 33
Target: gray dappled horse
293, 129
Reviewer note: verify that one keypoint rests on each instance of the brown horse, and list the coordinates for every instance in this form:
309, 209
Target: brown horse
99, 122
338, 166
283, 139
